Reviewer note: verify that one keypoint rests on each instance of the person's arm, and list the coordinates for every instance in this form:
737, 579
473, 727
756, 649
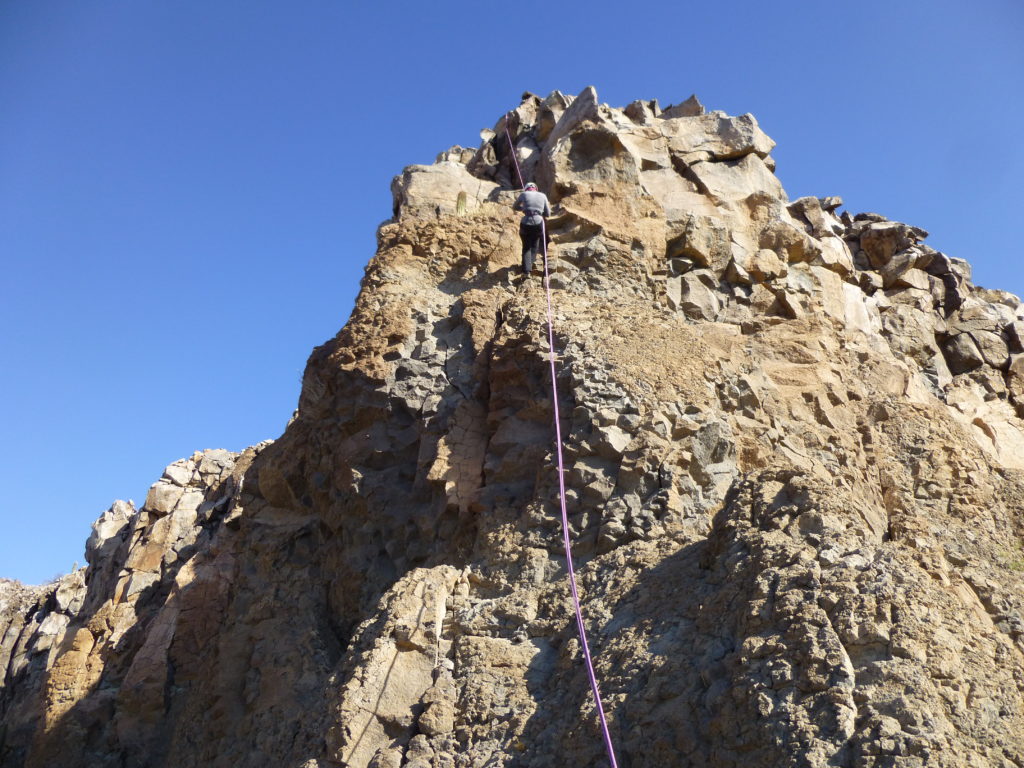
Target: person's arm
547, 207
518, 204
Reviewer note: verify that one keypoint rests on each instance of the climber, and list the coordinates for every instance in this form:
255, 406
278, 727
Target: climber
535, 208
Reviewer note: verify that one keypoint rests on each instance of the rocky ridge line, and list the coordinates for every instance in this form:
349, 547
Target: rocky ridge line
794, 463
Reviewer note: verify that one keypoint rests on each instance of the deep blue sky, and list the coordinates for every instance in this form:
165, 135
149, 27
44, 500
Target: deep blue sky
189, 190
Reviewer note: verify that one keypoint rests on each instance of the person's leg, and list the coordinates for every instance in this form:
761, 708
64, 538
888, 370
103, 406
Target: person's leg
524, 237
543, 241
530, 236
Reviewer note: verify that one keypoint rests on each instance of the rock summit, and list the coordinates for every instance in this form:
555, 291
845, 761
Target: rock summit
794, 475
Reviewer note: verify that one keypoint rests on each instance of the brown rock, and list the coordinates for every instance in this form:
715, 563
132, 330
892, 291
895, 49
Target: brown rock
765, 265
882, 240
993, 348
689, 108
962, 353
1015, 377
704, 239
1015, 335
793, 527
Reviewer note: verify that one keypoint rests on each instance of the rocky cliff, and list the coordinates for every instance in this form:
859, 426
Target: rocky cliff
795, 454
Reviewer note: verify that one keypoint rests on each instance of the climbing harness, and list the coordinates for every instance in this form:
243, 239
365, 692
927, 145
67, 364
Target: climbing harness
609, 747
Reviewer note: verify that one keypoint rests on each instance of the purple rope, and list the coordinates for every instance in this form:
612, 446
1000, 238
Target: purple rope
565, 515
609, 747
512, 149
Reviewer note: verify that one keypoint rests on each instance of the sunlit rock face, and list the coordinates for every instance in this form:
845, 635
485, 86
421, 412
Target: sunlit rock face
794, 461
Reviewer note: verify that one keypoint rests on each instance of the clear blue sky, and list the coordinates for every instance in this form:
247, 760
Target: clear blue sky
189, 190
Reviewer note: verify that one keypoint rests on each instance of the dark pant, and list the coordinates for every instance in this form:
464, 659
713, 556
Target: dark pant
531, 235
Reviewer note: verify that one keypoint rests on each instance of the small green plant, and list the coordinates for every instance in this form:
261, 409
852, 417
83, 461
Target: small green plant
1014, 559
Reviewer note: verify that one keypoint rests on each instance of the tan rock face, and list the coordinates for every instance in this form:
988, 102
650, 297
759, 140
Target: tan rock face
793, 469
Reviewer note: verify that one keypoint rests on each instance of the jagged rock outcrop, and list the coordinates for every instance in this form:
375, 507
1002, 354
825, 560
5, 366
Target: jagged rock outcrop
795, 454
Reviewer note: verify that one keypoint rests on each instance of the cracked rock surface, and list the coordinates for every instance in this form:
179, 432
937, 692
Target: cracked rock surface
794, 455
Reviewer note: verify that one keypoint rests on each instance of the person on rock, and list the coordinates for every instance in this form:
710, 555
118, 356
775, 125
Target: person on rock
535, 208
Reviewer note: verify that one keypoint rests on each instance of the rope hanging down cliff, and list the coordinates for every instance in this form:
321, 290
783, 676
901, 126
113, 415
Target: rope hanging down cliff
609, 747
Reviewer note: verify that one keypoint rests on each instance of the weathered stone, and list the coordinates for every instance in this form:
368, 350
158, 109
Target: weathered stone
139, 581
882, 240
975, 315
112, 523
736, 180
962, 353
641, 111
717, 136
435, 190
870, 282
614, 439
912, 278
689, 108
820, 221
714, 457
1015, 377
704, 239
835, 256
897, 266
735, 273
1015, 335
695, 299
961, 268
551, 109
792, 525
456, 154
179, 473
584, 107
993, 349
765, 265
162, 497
